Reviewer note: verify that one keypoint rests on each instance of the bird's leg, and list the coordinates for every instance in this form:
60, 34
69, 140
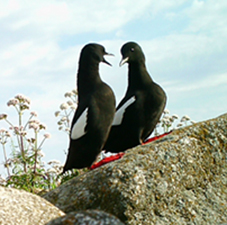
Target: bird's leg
156, 138
121, 154
107, 160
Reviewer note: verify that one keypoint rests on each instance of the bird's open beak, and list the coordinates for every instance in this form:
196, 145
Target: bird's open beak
110, 54
123, 61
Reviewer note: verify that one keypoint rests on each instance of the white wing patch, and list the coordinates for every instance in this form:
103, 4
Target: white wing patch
78, 129
120, 112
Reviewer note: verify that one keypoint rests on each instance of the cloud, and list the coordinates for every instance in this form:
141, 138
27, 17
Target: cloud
207, 16
215, 81
72, 17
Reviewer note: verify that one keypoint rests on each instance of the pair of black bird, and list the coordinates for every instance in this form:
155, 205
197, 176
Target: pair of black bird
97, 125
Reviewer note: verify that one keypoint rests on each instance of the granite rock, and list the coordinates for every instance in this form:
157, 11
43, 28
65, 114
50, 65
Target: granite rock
180, 179
19, 207
88, 217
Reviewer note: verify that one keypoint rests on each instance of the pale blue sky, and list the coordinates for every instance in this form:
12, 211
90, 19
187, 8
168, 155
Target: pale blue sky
184, 43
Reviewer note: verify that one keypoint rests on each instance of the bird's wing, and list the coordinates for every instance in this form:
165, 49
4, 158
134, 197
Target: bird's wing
121, 110
79, 127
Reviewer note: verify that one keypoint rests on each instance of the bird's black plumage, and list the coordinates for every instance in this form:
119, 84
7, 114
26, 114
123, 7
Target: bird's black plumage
140, 110
94, 115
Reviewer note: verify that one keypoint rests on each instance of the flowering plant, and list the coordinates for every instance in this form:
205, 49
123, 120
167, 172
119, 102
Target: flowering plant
165, 124
24, 165
67, 110
168, 122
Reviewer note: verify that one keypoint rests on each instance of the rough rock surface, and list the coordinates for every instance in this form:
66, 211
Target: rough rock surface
180, 179
88, 217
19, 207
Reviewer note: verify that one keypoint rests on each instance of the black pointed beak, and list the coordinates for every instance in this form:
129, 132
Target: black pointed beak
105, 60
123, 61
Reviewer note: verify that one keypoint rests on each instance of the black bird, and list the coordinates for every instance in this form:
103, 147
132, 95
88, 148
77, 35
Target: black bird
96, 107
141, 108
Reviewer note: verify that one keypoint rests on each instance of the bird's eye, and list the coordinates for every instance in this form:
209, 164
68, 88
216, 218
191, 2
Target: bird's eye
132, 49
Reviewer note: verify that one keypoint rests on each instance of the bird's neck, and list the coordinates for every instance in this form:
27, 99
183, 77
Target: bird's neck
138, 75
88, 78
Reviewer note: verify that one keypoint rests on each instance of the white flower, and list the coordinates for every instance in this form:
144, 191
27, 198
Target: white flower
185, 118
12, 102
57, 113
24, 106
174, 116
16, 130
2, 130
38, 166
3, 116
64, 106
34, 114
33, 126
42, 126
73, 106
8, 134
47, 135
59, 123
34, 121
64, 118
67, 129
54, 161
23, 133
179, 124
41, 153
166, 111
22, 98
51, 170
69, 103
27, 100
19, 96
74, 91
68, 94
166, 118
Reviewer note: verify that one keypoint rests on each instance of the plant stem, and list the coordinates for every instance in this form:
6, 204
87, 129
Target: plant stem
28, 122
36, 151
22, 142
67, 119
41, 143
5, 156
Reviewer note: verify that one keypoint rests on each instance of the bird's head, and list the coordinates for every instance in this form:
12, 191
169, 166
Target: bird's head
94, 53
131, 52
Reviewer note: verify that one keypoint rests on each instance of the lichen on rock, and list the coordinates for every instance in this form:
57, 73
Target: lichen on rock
86, 217
180, 179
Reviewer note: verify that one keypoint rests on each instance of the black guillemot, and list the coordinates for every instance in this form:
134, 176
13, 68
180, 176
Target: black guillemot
95, 112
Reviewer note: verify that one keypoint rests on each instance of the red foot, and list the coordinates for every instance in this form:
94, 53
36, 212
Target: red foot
156, 138
107, 160
120, 155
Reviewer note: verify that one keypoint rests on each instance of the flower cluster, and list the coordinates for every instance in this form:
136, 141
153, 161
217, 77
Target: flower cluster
20, 102
25, 159
56, 167
36, 125
67, 110
4, 133
168, 122
3, 116
19, 130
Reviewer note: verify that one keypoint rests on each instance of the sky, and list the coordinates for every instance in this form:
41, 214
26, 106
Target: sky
184, 43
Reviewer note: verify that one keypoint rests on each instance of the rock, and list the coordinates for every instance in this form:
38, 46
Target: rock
19, 207
88, 217
180, 179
